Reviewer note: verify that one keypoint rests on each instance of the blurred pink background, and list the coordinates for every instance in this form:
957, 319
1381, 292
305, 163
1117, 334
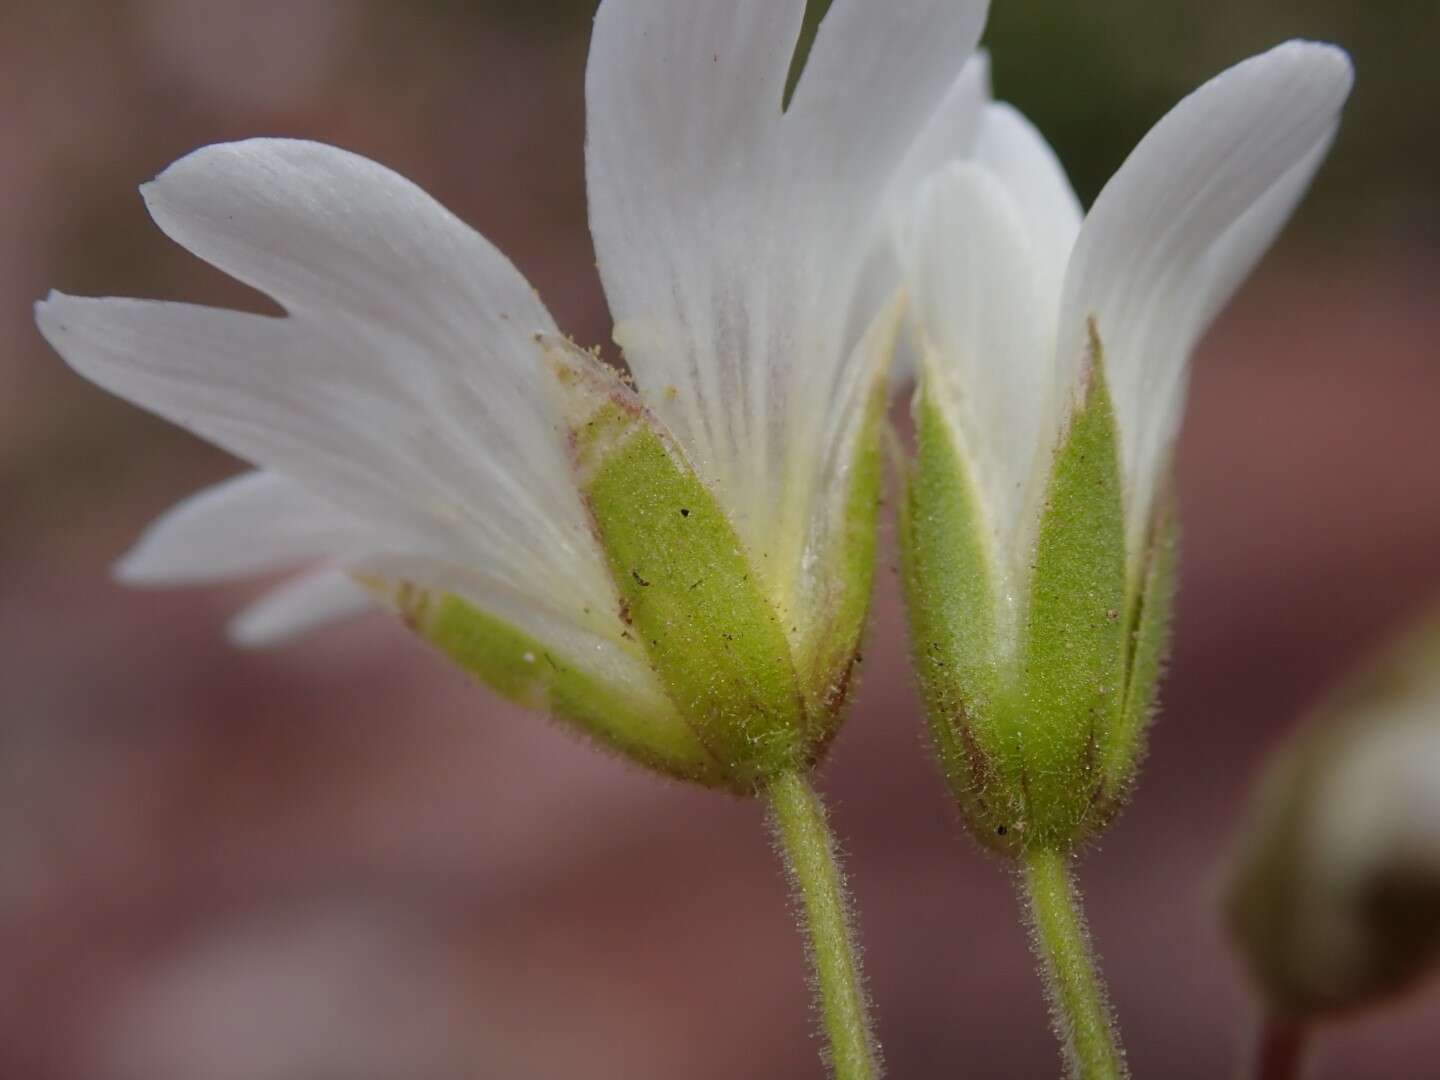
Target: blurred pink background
339, 859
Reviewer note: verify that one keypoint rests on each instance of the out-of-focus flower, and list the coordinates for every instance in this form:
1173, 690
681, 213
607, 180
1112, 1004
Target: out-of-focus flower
681, 571
1335, 898
1052, 360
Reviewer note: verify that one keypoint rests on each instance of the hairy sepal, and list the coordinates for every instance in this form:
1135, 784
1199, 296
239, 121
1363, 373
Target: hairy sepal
636, 722
687, 590
1071, 677
827, 635
1149, 617
950, 589
1038, 728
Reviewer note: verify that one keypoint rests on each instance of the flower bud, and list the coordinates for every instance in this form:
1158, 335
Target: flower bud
1037, 681
1334, 900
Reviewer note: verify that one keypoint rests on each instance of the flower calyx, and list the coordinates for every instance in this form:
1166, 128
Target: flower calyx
732, 695
1038, 674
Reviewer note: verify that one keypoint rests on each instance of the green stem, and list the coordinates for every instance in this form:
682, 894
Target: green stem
1078, 1007
811, 859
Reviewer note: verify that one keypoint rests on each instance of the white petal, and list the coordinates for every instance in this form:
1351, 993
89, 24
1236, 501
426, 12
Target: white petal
874, 79
683, 99
299, 606
1235, 254
949, 135
1220, 272
323, 230
730, 236
1009, 146
1142, 265
251, 524
404, 388
978, 285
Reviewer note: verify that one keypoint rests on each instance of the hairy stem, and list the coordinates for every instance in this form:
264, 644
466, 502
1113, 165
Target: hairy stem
811, 859
1078, 1006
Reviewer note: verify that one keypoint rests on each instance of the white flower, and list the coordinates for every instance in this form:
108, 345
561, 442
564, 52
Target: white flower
405, 413
1006, 279
1052, 361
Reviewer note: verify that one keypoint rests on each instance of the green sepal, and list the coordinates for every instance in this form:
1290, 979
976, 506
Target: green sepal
687, 590
949, 584
636, 722
1072, 648
1030, 717
828, 649
1149, 617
